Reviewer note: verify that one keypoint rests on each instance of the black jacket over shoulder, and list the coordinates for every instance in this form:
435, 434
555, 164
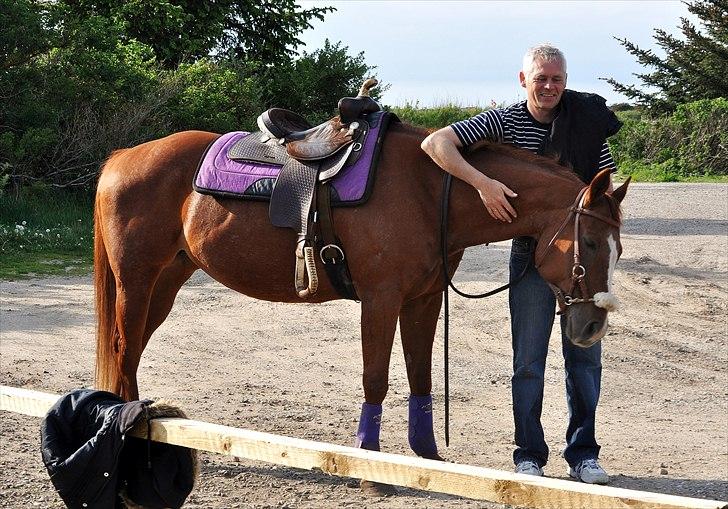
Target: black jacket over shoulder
579, 131
90, 459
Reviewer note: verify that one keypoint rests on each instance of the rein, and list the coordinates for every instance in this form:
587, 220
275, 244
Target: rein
447, 182
578, 273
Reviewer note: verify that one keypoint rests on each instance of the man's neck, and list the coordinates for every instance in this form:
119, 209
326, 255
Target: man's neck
542, 115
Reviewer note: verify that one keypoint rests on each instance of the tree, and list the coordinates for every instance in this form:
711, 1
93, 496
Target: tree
692, 69
179, 31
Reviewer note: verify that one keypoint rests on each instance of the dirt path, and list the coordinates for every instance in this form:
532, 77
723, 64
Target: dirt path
662, 421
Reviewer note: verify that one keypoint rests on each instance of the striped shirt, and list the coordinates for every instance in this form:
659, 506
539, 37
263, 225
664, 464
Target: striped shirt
516, 126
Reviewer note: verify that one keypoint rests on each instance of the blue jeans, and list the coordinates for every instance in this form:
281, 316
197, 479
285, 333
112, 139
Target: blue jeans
532, 305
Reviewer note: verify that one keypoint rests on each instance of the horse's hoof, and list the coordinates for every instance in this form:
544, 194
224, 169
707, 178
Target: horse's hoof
377, 489
434, 456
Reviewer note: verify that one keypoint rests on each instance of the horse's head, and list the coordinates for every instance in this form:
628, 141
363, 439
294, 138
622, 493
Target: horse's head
577, 257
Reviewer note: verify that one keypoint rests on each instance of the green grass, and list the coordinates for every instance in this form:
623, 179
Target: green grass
45, 232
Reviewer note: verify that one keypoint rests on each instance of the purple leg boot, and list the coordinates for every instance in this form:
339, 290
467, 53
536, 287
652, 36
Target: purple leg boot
421, 434
370, 422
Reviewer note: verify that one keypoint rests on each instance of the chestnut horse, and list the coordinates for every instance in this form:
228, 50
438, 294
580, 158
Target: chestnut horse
152, 231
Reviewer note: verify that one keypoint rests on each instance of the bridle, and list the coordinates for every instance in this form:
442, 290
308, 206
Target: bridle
578, 272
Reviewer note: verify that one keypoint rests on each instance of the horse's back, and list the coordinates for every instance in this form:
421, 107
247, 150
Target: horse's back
155, 161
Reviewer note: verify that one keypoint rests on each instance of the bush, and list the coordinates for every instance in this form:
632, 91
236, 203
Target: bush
214, 96
313, 83
691, 142
436, 117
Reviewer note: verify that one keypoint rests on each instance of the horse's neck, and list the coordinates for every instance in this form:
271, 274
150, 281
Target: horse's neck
543, 198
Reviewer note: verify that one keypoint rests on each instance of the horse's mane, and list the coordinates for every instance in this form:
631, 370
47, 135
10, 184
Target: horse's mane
549, 164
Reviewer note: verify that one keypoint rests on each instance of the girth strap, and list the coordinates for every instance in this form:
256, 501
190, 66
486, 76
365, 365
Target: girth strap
329, 246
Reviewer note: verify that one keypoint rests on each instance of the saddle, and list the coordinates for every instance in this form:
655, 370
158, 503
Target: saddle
308, 143
315, 156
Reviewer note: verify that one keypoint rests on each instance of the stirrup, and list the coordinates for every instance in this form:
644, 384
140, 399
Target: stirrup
305, 267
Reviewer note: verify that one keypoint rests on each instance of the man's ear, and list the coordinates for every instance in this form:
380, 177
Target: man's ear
522, 79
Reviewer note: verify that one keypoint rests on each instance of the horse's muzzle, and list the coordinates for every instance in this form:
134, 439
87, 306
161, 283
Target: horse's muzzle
584, 331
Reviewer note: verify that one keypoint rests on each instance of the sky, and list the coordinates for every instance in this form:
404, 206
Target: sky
470, 52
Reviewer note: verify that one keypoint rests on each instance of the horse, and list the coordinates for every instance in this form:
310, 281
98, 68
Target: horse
152, 231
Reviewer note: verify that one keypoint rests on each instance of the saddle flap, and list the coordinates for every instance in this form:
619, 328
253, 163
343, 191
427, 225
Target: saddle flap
290, 201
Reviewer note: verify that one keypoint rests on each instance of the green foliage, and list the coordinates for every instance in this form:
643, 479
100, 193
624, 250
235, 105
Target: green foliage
72, 103
691, 142
81, 78
436, 117
214, 96
693, 68
186, 30
314, 82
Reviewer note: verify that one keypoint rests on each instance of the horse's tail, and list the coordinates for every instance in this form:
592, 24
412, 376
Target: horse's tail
107, 365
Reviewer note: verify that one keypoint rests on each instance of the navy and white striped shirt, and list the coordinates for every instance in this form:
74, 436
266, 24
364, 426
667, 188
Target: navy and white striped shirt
516, 126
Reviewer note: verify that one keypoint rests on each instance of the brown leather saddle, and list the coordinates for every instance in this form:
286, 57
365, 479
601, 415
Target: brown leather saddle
317, 153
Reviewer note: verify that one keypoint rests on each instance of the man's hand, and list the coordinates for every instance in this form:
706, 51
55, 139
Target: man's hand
442, 146
495, 198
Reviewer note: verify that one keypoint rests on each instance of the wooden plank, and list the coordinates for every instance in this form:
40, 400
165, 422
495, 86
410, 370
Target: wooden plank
24, 401
463, 480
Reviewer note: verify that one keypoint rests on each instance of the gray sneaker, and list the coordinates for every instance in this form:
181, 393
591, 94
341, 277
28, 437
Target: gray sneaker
590, 472
529, 467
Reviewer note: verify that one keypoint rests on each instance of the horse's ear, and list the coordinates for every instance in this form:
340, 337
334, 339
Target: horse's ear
598, 186
618, 194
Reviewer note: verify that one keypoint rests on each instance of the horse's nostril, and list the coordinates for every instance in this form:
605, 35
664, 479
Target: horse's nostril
593, 328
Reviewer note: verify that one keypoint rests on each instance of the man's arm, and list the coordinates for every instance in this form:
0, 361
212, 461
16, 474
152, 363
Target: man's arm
442, 146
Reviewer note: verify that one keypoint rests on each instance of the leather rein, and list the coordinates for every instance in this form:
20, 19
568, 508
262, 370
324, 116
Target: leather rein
578, 273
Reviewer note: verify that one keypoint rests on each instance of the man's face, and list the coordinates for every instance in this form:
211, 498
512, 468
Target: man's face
544, 83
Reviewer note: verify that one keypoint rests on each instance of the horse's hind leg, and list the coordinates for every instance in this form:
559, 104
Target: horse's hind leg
133, 296
417, 322
165, 291
145, 303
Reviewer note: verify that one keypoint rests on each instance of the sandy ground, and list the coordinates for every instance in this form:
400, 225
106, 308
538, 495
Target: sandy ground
296, 369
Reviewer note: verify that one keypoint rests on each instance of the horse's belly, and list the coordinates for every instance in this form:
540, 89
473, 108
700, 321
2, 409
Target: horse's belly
234, 242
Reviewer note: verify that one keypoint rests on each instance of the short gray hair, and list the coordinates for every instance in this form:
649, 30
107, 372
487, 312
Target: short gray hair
545, 52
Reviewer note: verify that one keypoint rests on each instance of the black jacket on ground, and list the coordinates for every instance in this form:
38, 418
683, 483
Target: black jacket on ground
89, 457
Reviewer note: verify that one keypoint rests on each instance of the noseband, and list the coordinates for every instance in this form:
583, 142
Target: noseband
578, 272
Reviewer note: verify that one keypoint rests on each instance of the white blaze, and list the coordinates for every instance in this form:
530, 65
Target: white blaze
612, 260
607, 300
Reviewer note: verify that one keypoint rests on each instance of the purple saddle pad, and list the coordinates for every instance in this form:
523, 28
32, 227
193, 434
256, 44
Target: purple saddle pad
219, 175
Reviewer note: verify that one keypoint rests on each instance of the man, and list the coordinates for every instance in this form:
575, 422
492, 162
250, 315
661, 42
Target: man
574, 126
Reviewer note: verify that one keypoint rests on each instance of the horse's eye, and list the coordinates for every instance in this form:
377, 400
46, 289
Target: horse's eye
589, 242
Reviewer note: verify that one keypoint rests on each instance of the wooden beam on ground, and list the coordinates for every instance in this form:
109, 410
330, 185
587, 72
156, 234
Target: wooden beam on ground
463, 480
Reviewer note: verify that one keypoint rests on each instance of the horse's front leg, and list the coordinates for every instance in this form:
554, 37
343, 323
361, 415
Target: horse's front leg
378, 325
417, 323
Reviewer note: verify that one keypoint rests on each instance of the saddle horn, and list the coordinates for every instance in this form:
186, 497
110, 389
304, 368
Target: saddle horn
351, 108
